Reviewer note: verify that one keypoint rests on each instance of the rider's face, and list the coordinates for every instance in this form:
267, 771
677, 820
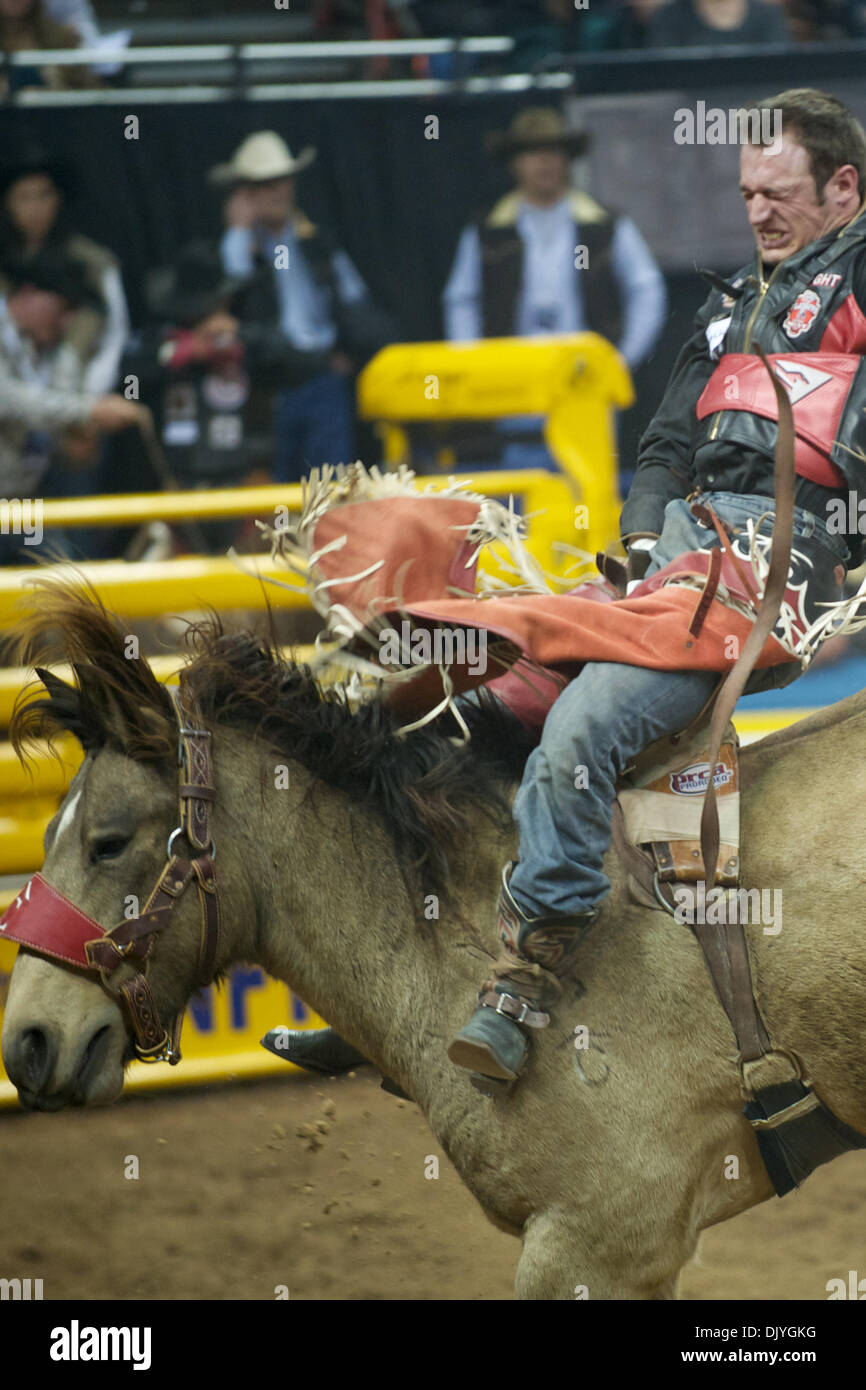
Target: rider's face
783, 205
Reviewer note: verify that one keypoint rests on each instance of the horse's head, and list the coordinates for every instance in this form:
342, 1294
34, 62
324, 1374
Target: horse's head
67, 1031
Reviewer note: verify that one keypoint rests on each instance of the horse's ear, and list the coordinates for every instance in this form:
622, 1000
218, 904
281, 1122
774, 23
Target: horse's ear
57, 689
67, 708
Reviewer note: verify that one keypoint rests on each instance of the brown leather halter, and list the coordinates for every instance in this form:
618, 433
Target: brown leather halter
132, 940
45, 921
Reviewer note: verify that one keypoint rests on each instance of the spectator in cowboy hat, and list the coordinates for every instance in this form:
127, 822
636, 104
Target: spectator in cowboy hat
36, 189
517, 270
191, 368
318, 300
204, 364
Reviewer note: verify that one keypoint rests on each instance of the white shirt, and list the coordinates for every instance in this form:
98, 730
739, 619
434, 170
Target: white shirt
550, 299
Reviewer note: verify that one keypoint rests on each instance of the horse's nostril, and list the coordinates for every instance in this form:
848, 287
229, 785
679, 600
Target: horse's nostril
35, 1059
91, 1062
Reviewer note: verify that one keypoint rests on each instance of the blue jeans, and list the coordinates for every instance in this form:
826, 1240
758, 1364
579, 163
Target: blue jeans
608, 714
313, 425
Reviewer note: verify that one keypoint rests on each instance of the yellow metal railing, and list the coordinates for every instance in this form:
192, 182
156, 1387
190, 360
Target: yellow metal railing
137, 508
576, 381
146, 589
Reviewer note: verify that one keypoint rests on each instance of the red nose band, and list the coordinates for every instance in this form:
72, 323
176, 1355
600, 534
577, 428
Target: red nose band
43, 919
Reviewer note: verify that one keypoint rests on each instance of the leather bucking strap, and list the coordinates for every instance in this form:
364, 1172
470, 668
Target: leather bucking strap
709, 518
768, 613
724, 944
708, 593
795, 1131
727, 955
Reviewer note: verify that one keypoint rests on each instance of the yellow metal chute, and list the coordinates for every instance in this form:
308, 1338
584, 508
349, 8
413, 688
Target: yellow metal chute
575, 381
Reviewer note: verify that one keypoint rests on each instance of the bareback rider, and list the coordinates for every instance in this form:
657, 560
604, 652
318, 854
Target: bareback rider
805, 292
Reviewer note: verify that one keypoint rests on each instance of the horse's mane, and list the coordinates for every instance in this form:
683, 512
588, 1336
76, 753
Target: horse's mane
427, 790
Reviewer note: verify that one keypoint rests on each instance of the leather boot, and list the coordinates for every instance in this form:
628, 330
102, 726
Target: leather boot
523, 986
322, 1050
314, 1049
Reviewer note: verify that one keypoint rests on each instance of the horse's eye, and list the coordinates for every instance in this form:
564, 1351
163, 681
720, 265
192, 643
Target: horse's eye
109, 847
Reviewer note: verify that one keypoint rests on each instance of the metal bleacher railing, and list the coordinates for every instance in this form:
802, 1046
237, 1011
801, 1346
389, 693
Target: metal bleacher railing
258, 71
180, 70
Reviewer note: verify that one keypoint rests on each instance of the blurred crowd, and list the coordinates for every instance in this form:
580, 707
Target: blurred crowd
544, 31
243, 365
547, 27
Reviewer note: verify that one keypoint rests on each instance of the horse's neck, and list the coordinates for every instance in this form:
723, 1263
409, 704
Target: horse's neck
388, 961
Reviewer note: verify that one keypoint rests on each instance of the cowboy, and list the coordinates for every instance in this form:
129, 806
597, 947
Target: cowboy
711, 445
803, 293
550, 259
320, 302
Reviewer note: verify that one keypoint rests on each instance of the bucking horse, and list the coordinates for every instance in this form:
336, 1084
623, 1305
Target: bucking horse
607, 1163
255, 814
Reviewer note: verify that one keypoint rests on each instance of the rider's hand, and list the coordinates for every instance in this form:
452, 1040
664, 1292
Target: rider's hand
115, 413
639, 557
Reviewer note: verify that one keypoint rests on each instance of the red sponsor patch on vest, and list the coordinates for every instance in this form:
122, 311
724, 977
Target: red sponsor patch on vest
802, 314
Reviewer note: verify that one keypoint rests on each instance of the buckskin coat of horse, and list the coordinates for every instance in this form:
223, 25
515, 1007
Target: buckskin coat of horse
609, 1162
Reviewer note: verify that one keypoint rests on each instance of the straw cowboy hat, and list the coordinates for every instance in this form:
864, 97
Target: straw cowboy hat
537, 128
261, 157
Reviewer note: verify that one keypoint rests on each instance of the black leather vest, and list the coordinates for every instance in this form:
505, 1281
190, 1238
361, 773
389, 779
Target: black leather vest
806, 305
502, 252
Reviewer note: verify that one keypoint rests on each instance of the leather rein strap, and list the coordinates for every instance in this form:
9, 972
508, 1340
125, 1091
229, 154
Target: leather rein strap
723, 945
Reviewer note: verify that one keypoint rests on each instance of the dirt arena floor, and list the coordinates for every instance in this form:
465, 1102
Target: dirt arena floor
319, 1185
